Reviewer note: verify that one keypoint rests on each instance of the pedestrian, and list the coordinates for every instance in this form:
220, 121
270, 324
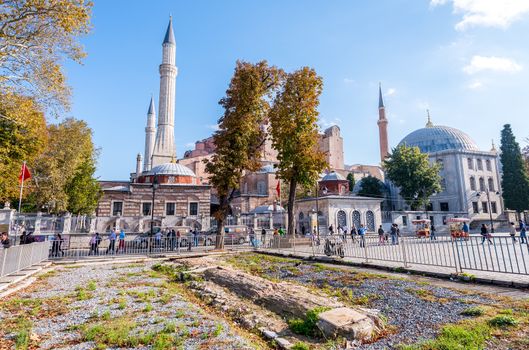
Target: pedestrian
512, 232
485, 234
158, 239
466, 229
303, 230
344, 233
433, 237
178, 237
195, 237
523, 231
252, 237
121, 245
331, 230
98, 242
263, 235
93, 244
61, 241
353, 234
281, 231
4, 240
393, 233
111, 242
23, 238
55, 245
30, 238
362, 236
171, 235
380, 235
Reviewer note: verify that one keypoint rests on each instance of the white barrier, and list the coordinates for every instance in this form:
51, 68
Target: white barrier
19, 257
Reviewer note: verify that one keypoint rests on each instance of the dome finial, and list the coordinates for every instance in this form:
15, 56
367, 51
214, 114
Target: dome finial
493, 149
429, 123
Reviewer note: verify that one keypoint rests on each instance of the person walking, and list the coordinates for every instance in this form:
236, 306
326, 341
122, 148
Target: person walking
393, 233
171, 236
331, 230
195, 237
523, 232
23, 238
158, 239
485, 234
263, 236
353, 234
344, 233
111, 242
466, 229
433, 237
4, 240
55, 245
512, 232
121, 244
93, 244
362, 236
380, 235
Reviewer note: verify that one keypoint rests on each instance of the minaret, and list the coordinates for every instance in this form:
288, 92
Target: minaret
164, 147
429, 123
382, 126
138, 165
150, 134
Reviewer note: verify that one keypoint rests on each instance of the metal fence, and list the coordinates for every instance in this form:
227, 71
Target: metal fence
499, 254
19, 257
142, 245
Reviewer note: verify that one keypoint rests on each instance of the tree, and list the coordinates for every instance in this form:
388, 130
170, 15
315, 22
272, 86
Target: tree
410, 170
351, 179
35, 37
61, 173
240, 136
23, 136
525, 154
294, 131
515, 181
370, 186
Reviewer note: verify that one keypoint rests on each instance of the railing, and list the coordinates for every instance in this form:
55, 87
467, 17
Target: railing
143, 246
19, 257
499, 254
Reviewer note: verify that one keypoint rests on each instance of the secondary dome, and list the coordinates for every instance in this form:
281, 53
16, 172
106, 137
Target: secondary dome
171, 169
436, 138
333, 176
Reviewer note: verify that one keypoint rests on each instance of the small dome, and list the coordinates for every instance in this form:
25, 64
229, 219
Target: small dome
436, 138
170, 169
333, 176
269, 168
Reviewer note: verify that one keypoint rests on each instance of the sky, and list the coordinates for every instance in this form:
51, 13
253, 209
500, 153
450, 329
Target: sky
467, 61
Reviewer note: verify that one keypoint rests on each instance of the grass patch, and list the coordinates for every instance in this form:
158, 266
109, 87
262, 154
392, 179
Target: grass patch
147, 308
473, 311
455, 337
92, 286
218, 329
300, 346
502, 321
82, 294
122, 303
307, 325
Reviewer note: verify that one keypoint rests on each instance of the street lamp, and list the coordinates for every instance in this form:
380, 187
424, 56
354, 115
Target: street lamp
324, 191
155, 186
489, 208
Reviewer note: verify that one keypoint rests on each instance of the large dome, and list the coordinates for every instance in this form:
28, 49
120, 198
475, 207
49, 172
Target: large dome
170, 169
439, 138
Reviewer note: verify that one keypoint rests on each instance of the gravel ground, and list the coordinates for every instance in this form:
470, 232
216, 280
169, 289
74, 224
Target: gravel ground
415, 310
73, 297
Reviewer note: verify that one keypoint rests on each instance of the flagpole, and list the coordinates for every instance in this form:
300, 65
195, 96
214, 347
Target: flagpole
21, 186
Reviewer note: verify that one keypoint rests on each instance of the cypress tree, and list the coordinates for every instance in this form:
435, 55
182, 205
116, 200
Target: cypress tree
515, 181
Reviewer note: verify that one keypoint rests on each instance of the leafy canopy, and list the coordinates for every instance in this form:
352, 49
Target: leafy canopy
410, 170
515, 181
35, 37
294, 131
370, 186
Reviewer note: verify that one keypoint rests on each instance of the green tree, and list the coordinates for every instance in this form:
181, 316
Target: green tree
370, 186
410, 170
294, 131
35, 37
351, 179
240, 137
515, 181
67, 161
23, 136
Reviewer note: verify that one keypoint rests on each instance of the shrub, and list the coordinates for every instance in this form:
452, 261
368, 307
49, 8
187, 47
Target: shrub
503, 321
307, 326
300, 346
473, 311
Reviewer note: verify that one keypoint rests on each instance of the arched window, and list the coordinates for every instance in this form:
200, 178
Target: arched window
261, 187
342, 218
491, 184
482, 184
480, 164
301, 216
370, 220
488, 165
472, 183
356, 219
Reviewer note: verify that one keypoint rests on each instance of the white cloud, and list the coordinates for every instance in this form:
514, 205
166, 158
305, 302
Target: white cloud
326, 123
391, 91
486, 13
213, 127
491, 63
474, 85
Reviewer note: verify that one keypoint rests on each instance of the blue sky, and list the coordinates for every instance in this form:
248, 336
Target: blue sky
465, 60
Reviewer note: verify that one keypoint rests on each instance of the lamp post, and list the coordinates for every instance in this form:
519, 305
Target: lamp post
155, 185
489, 208
324, 191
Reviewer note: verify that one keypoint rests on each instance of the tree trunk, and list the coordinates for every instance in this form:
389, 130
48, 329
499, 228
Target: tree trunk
221, 219
290, 208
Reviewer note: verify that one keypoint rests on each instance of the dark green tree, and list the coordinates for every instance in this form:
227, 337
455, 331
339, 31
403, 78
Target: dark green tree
410, 170
515, 182
83, 190
351, 179
370, 186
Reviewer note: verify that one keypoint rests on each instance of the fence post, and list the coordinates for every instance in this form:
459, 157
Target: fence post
4, 256
19, 257
457, 259
404, 257
363, 238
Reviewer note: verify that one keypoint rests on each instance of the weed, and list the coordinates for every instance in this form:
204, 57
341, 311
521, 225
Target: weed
300, 346
147, 308
218, 329
473, 311
502, 321
92, 286
455, 337
163, 342
122, 303
105, 315
307, 325
82, 294
169, 327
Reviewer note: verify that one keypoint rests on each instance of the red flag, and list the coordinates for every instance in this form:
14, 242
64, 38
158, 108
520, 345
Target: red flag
278, 189
24, 173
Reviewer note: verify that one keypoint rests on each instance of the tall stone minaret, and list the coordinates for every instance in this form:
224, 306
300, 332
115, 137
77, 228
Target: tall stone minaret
382, 126
164, 147
150, 134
